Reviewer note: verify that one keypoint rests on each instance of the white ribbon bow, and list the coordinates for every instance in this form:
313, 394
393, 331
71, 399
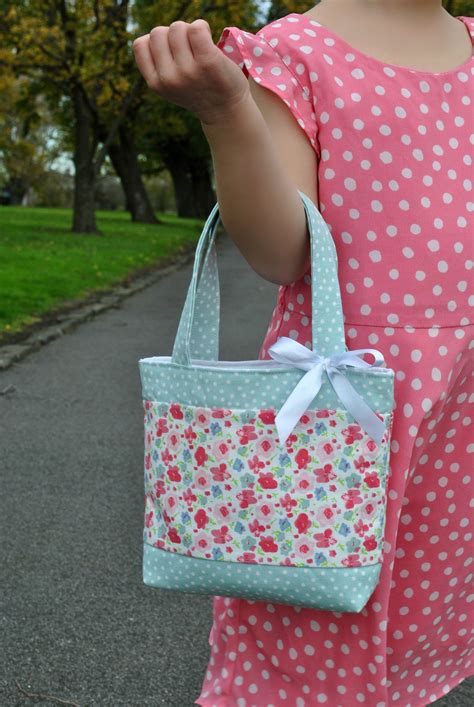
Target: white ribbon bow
289, 351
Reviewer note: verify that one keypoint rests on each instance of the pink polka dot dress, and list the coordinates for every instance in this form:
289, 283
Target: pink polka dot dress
395, 153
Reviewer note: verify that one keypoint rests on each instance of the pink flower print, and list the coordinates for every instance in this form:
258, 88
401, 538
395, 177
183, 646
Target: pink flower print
147, 404
159, 487
219, 413
360, 528
201, 518
176, 412
325, 539
147, 461
370, 448
325, 516
265, 511
246, 497
351, 561
200, 456
255, 528
221, 511
189, 497
166, 457
255, 464
174, 535
246, 433
372, 480
288, 503
325, 450
267, 481
368, 510
265, 447
202, 417
361, 464
202, 480
351, 497
305, 419
173, 442
166, 517
302, 523
161, 427
324, 413
290, 440
304, 547
203, 541
173, 473
352, 433
221, 450
370, 543
171, 501
302, 458
220, 473
247, 557
189, 435
325, 474
268, 544
221, 535
149, 519
305, 482
267, 416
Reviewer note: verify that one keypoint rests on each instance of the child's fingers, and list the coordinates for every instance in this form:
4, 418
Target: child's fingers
161, 53
201, 42
144, 59
179, 45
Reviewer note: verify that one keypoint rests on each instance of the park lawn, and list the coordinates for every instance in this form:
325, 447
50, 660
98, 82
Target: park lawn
43, 264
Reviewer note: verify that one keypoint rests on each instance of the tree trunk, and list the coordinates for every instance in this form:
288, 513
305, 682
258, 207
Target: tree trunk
17, 188
204, 197
84, 179
123, 156
177, 163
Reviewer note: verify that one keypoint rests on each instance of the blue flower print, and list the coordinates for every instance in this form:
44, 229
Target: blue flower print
353, 544
187, 455
320, 558
217, 553
344, 529
285, 484
239, 527
215, 428
284, 523
320, 493
216, 491
344, 465
248, 543
185, 517
246, 480
238, 465
353, 480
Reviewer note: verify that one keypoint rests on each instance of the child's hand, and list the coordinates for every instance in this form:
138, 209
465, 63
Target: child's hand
183, 65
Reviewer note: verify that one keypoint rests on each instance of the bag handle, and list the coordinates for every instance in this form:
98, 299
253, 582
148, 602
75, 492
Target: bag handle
198, 331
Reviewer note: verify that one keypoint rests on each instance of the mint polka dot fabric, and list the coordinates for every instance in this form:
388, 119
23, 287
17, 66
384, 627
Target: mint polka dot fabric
395, 153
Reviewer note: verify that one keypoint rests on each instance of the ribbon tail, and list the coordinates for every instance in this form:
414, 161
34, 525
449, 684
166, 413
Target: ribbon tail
297, 402
357, 406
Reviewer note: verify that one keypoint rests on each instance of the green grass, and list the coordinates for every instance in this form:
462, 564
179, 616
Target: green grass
43, 264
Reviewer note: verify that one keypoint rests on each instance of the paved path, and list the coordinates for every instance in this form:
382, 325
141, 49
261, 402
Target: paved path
76, 621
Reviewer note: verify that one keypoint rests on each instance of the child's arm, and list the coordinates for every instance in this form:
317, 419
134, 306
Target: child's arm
261, 156
260, 153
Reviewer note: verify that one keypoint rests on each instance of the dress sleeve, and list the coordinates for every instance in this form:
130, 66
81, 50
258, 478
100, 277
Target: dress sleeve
275, 64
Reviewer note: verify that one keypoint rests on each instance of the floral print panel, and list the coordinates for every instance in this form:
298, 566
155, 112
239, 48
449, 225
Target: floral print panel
220, 486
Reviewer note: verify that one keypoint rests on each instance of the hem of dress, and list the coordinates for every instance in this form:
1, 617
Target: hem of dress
441, 694
225, 701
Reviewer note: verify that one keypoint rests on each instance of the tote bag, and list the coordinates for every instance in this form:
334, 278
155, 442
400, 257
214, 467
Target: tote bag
266, 479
